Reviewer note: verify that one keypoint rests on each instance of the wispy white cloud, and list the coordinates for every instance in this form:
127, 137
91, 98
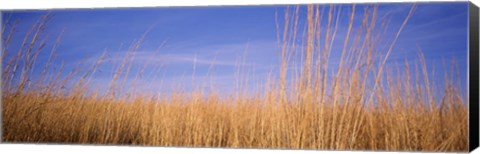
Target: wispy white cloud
234, 54
152, 58
433, 23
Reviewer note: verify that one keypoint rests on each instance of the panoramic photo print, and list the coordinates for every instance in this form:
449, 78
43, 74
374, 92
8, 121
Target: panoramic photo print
356, 76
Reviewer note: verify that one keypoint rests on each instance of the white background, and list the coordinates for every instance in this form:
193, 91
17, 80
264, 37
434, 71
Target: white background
49, 4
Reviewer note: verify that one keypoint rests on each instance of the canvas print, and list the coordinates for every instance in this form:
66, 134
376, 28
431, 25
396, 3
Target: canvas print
355, 76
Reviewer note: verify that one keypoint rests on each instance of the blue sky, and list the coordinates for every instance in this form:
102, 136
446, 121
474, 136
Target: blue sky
203, 34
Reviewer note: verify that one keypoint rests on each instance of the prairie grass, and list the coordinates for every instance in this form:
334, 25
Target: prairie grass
360, 106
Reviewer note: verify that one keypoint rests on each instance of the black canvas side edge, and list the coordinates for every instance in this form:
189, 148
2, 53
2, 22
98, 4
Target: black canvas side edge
473, 77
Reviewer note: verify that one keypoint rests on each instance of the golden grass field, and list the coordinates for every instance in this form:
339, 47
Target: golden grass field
362, 106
